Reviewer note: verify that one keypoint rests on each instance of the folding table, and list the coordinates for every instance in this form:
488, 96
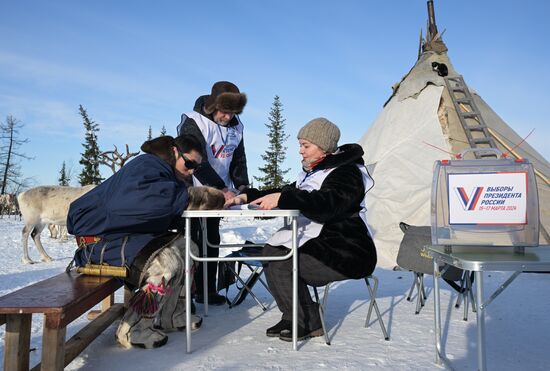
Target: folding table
291, 215
480, 259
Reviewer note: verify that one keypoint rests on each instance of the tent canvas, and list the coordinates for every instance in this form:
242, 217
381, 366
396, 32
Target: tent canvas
417, 126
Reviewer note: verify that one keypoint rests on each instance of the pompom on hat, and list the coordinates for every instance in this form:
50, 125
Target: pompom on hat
322, 133
225, 96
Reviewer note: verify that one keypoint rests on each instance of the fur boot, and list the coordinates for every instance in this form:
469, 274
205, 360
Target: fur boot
162, 285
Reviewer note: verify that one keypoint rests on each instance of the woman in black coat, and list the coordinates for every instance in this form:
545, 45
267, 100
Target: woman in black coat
333, 238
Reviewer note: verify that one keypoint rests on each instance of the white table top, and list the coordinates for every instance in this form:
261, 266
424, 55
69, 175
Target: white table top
493, 258
239, 213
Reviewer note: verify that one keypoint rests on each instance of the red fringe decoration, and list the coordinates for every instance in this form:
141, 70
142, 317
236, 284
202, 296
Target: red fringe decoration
146, 301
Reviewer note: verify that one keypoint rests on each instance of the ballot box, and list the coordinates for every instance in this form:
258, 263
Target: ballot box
485, 201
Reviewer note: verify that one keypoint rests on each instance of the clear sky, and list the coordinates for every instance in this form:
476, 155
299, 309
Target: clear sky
135, 64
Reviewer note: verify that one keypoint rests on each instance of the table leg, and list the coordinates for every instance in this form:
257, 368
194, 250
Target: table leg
437, 313
204, 264
295, 284
188, 283
480, 315
17, 340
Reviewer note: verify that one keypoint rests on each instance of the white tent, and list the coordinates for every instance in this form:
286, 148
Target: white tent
400, 148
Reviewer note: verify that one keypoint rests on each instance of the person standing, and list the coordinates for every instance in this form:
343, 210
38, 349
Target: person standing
215, 123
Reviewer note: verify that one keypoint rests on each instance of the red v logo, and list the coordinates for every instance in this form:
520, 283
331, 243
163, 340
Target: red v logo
469, 202
216, 153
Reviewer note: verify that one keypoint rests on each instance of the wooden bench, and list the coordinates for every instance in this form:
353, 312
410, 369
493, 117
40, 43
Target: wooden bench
62, 299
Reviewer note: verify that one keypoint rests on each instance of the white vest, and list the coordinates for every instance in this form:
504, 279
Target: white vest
307, 228
221, 142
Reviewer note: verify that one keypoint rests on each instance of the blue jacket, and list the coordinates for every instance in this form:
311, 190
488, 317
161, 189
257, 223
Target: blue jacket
142, 201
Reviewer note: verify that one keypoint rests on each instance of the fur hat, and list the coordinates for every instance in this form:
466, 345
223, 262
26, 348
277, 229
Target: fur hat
322, 133
161, 147
226, 97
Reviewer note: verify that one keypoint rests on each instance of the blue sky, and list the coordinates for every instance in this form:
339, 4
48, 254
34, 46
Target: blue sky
135, 64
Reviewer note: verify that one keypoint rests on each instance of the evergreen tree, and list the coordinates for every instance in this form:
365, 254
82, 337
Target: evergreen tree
149, 133
275, 153
163, 130
64, 179
90, 158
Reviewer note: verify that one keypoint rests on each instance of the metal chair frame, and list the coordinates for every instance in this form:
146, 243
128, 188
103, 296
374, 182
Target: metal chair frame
254, 270
465, 293
372, 305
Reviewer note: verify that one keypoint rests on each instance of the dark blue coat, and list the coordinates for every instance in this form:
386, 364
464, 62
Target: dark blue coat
143, 200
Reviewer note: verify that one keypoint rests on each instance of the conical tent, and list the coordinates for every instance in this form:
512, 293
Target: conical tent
417, 126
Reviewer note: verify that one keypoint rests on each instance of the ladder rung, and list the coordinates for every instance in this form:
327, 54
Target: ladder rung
464, 101
477, 128
468, 115
482, 140
456, 80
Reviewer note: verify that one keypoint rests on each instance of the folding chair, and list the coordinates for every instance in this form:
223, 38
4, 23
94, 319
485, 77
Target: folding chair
414, 257
372, 305
230, 273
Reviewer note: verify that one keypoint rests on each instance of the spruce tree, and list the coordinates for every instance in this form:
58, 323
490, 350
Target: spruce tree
64, 179
275, 153
90, 158
149, 133
163, 130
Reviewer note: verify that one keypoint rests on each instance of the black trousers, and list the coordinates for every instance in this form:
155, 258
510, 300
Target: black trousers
213, 230
310, 272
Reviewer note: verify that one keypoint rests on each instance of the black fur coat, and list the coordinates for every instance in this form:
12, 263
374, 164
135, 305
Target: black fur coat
344, 243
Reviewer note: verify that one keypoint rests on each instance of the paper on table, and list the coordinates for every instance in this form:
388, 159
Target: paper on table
244, 207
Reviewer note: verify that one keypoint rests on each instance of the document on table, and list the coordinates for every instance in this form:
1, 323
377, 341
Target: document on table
245, 207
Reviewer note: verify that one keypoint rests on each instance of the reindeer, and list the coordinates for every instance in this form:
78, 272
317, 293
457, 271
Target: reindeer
115, 160
58, 232
45, 205
8, 205
4, 202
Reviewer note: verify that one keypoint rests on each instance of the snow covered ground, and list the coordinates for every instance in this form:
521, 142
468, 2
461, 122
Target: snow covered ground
518, 323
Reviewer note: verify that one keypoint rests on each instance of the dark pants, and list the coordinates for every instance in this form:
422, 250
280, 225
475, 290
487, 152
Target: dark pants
310, 272
213, 231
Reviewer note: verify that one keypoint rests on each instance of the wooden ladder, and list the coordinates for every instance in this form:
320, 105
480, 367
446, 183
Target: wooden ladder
469, 116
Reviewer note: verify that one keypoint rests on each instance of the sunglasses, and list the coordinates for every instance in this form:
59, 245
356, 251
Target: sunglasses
190, 164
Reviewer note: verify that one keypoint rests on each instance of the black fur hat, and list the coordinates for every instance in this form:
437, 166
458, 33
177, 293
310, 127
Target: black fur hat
162, 148
225, 96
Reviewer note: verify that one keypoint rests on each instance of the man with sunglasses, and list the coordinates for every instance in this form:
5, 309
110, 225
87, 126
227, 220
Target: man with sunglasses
128, 221
215, 123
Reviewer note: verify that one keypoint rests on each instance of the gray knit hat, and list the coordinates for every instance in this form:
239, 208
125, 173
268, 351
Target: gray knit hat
321, 132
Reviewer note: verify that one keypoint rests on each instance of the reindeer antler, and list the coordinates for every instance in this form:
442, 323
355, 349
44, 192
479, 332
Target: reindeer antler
114, 158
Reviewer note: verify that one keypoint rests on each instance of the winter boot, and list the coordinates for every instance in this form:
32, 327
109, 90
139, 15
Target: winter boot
303, 333
275, 331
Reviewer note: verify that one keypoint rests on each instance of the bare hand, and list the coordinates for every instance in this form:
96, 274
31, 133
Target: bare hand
239, 200
228, 194
268, 202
